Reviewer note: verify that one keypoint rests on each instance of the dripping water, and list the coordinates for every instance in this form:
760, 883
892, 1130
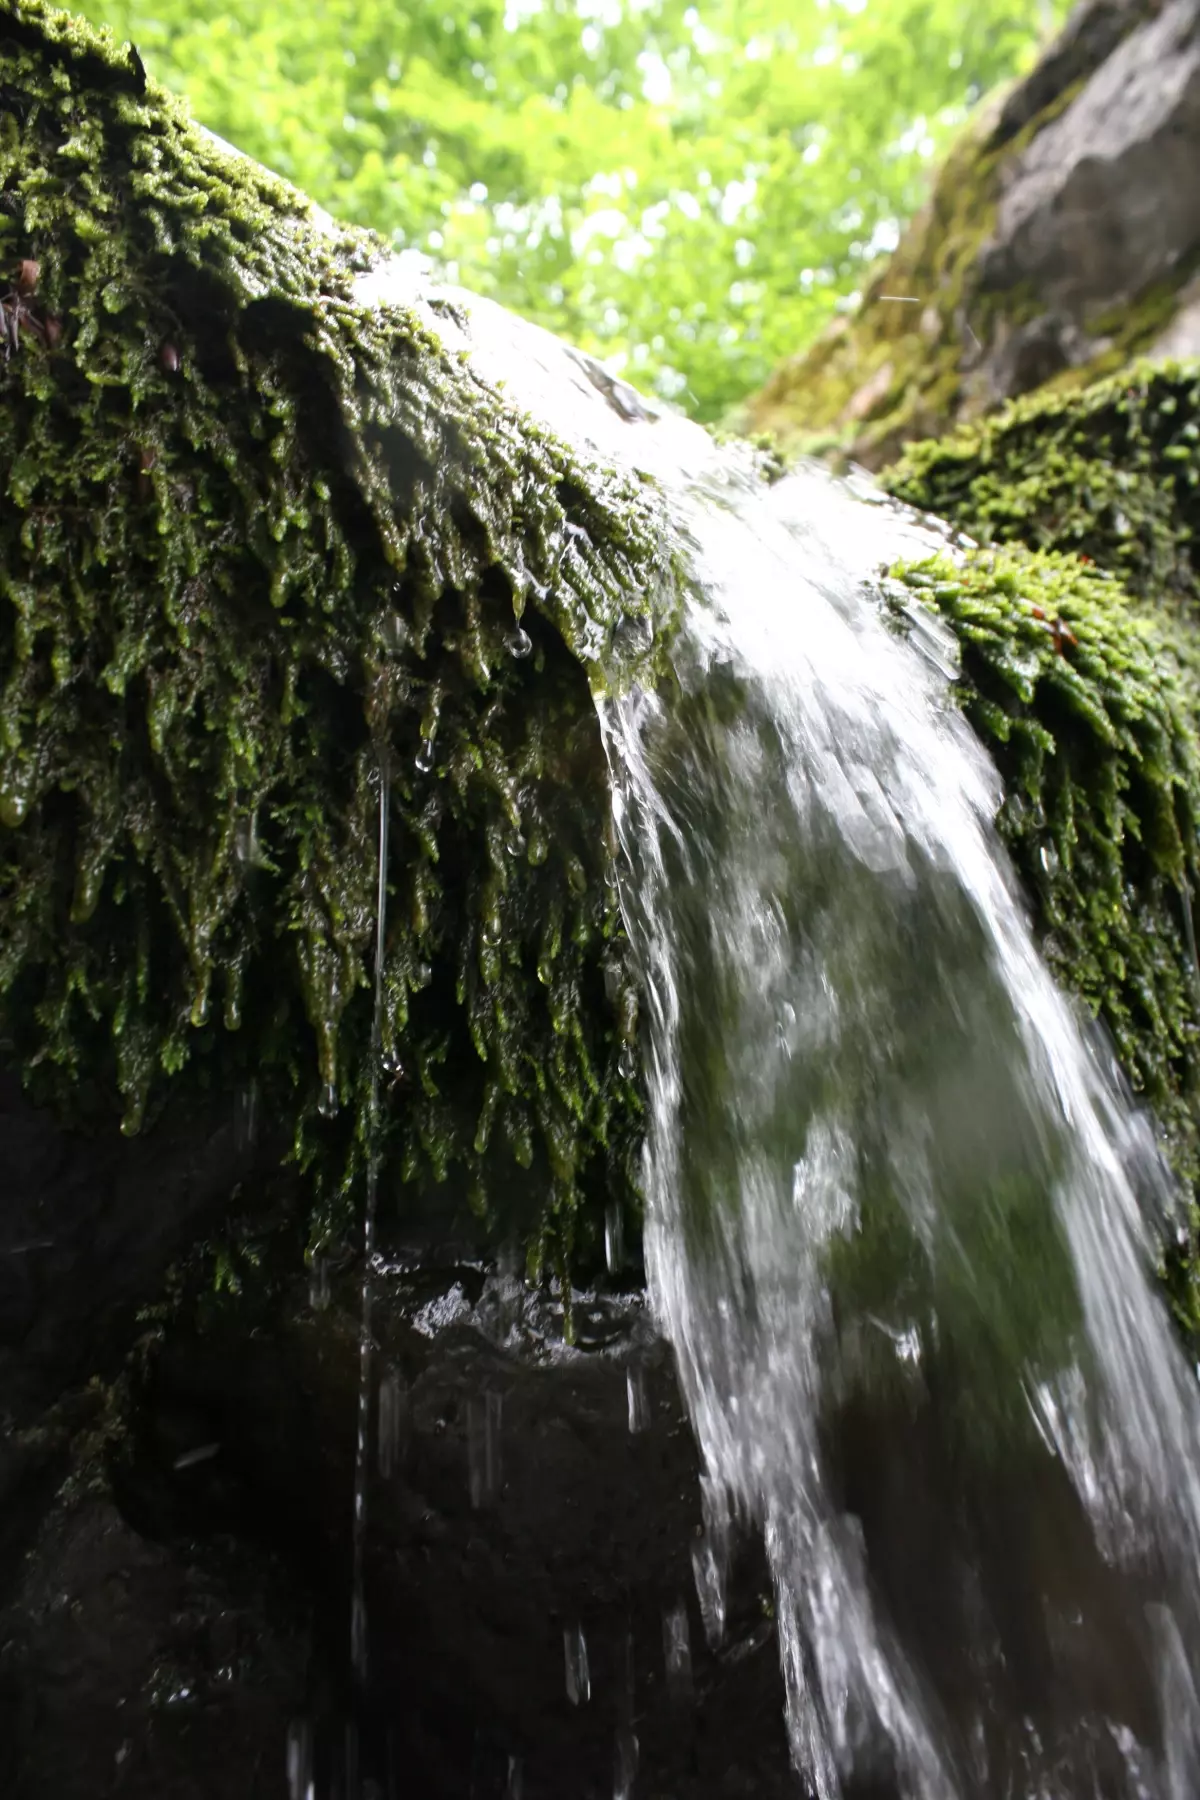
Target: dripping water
362, 1458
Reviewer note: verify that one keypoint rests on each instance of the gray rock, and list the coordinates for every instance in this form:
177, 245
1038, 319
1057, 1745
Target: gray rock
1105, 200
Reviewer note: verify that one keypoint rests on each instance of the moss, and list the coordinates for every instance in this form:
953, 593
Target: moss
1088, 702
258, 542
1111, 474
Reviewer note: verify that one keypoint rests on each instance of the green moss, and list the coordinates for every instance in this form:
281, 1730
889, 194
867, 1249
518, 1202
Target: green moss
1112, 474
1089, 704
256, 542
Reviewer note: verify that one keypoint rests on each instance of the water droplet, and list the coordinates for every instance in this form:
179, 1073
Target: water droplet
515, 845
245, 1118
518, 643
483, 1447
393, 1417
425, 755
200, 1009
300, 1760
318, 1283
677, 1650
327, 1103
1048, 857
708, 1567
639, 1398
575, 1656
627, 1062
245, 842
358, 1634
539, 848
614, 1236
393, 634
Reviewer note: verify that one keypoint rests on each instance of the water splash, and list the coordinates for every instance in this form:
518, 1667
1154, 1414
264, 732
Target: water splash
362, 1458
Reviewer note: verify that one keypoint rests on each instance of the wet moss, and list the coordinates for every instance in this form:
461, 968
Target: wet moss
1088, 701
1112, 474
260, 548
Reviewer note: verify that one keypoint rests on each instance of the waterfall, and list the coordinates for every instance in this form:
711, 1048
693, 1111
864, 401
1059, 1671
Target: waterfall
894, 1188
894, 1203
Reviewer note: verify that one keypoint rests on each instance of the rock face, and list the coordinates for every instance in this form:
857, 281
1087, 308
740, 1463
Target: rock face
1101, 203
269, 547
1060, 241
533, 1616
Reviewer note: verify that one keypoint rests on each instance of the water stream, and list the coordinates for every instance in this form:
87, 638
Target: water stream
366, 1338
895, 1190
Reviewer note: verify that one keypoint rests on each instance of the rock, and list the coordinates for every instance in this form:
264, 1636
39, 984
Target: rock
1058, 246
1103, 201
530, 1593
336, 564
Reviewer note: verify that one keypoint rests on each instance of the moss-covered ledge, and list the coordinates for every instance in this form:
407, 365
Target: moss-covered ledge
258, 541
1089, 703
1111, 474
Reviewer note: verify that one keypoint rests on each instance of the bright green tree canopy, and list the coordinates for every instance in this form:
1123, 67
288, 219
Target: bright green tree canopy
687, 190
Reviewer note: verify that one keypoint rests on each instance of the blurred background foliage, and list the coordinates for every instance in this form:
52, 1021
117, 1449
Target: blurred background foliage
689, 191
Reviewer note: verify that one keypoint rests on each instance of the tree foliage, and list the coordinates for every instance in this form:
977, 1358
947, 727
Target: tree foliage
688, 191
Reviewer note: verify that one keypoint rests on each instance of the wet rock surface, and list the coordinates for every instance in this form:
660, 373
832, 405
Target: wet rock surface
176, 1622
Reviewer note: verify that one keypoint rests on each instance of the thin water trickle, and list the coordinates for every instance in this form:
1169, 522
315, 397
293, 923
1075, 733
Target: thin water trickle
484, 1415
575, 1658
677, 1651
318, 1282
300, 1761
626, 1750
614, 1237
393, 1416
362, 1461
638, 1398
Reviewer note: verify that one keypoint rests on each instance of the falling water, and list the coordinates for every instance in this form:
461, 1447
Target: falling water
894, 1228
362, 1457
894, 1190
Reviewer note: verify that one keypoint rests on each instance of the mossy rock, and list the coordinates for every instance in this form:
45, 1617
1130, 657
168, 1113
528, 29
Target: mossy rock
1075, 615
1088, 702
1111, 475
259, 542
944, 330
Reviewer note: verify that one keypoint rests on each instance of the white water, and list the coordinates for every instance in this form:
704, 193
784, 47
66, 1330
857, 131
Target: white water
894, 1193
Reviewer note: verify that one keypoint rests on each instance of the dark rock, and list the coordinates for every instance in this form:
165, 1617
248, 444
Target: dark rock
88, 1226
173, 1624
